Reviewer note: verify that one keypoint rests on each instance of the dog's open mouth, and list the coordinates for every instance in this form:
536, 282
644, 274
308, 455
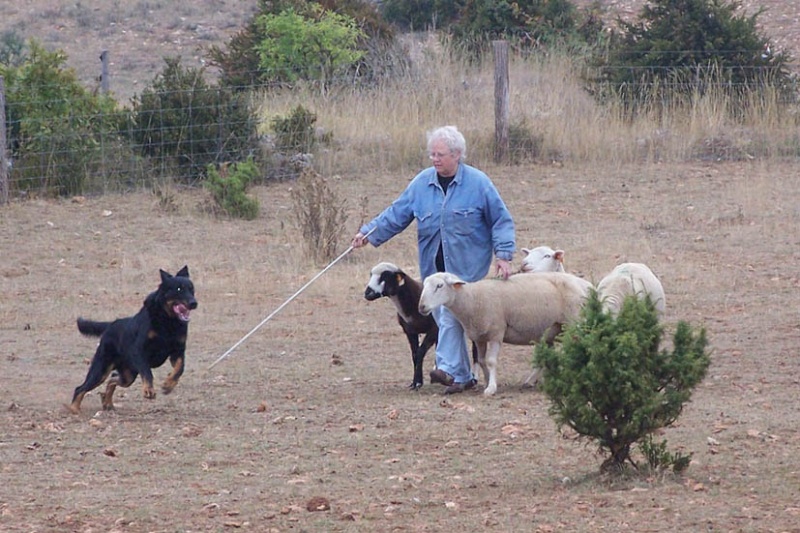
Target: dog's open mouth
181, 311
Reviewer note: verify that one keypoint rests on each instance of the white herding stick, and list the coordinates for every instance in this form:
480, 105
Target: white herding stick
284, 304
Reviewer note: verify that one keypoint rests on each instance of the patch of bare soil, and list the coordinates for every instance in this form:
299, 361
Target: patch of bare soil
309, 426
137, 34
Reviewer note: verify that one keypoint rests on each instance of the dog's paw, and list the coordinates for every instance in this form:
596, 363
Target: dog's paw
149, 392
168, 386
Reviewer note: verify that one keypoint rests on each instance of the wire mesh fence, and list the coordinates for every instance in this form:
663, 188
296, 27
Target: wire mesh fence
53, 148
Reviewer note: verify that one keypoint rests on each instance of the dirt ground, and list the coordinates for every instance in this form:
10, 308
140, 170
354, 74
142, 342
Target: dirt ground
308, 424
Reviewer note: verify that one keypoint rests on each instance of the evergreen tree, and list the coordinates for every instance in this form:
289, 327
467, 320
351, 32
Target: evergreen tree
609, 381
681, 45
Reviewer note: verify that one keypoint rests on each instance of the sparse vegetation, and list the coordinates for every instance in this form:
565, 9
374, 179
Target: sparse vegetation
321, 215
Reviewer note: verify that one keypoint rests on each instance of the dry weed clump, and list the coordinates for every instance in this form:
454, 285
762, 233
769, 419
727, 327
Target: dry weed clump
321, 215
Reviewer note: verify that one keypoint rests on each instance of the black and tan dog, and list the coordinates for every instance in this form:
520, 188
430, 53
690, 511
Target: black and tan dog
134, 345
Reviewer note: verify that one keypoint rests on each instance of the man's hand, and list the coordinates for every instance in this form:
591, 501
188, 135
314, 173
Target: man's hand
502, 268
359, 240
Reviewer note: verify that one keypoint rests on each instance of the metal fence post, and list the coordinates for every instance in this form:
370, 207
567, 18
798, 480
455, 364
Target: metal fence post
4, 163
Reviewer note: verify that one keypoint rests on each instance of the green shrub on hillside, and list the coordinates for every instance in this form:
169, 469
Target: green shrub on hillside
411, 15
291, 40
315, 47
609, 382
685, 46
183, 124
526, 24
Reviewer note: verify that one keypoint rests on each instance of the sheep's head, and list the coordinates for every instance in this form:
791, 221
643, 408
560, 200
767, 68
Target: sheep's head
438, 289
542, 259
385, 278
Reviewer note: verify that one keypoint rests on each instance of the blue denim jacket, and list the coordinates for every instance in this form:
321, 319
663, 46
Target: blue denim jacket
472, 222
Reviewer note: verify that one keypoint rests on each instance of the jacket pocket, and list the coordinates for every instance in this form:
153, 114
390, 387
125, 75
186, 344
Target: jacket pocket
426, 223
466, 220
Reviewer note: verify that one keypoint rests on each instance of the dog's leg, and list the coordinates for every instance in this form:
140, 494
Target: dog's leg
96, 375
124, 378
174, 376
147, 383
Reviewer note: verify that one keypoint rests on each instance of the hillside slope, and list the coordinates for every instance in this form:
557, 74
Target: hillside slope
138, 34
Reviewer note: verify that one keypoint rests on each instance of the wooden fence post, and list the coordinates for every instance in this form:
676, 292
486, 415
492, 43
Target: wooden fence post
104, 81
501, 105
4, 164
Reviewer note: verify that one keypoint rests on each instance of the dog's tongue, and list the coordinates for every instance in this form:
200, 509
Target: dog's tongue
181, 311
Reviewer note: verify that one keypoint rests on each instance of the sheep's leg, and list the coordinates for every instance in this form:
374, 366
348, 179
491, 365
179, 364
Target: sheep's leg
490, 359
479, 355
416, 359
419, 358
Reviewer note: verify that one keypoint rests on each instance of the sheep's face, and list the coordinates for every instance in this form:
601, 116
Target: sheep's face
385, 279
438, 289
542, 259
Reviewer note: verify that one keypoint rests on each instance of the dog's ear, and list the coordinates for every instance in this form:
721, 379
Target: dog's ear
184, 272
164, 275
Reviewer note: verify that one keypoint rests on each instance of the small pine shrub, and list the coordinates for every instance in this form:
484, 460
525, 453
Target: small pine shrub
321, 215
295, 133
659, 458
228, 188
610, 382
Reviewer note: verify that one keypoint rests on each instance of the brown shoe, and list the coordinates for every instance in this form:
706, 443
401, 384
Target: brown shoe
441, 377
455, 388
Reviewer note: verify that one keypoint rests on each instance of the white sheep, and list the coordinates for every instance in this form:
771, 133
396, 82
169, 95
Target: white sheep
630, 279
523, 309
542, 259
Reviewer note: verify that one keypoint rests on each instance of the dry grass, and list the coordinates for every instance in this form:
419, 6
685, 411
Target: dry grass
315, 403
382, 129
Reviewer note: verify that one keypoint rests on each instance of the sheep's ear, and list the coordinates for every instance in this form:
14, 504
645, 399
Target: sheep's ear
458, 285
525, 252
559, 255
400, 279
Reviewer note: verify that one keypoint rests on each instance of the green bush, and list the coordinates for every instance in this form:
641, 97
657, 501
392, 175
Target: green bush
681, 47
526, 24
315, 47
419, 15
57, 129
330, 41
184, 124
12, 49
228, 187
610, 383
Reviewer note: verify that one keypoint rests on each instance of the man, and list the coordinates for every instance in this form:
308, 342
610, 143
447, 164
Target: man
462, 222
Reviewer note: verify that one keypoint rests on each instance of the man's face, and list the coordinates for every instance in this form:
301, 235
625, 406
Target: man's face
444, 161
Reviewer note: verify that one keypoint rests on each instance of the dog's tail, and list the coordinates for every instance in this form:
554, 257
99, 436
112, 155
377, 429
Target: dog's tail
92, 328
